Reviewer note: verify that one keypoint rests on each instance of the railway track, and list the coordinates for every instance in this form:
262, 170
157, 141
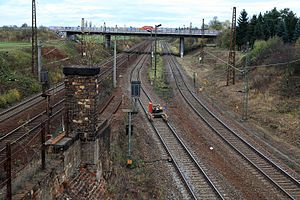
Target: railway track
32, 126
262, 165
106, 70
197, 182
31, 101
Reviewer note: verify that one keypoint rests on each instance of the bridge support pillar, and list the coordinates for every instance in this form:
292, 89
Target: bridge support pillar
107, 41
181, 47
69, 36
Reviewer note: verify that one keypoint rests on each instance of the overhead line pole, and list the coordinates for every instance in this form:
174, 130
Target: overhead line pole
231, 58
34, 40
202, 43
155, 49
246, 87
115, 64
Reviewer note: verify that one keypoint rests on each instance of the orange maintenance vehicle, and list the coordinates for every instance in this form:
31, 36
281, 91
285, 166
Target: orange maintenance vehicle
156, 111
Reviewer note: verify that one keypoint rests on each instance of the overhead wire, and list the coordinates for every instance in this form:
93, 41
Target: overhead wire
255, 66
225, 62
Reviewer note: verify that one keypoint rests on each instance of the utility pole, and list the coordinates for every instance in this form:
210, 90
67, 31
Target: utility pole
194, 80
231, 59
155, 50
82, 38
129, 136
202, 43
34, 40
39, 60
8, 172
246, 88
151, 53
43, 148
115, 63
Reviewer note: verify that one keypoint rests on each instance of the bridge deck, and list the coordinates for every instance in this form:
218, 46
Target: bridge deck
175, 32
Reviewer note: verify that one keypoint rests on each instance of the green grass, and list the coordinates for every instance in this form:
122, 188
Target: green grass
8, 46
161, 86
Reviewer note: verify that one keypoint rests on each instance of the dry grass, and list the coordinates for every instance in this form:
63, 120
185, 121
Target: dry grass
279, 115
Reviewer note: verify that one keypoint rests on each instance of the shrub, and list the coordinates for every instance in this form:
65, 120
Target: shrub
35, 87
223, 40
55, 76
9, 98
261, 48
3, 101
297, 44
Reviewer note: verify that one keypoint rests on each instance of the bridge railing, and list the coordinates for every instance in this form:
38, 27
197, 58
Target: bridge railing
124, 30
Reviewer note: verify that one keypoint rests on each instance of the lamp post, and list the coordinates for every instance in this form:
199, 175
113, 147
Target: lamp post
151, 54
155, 48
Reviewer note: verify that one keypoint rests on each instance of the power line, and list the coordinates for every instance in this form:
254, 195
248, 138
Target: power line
255, 66
228, 64
61, 60
276, 64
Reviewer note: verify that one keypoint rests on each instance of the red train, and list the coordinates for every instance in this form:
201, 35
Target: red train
146, 28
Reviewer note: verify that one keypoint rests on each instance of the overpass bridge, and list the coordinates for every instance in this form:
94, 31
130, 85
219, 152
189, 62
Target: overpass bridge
181, 33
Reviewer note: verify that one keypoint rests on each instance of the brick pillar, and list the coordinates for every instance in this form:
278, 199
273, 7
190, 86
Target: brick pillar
81, 88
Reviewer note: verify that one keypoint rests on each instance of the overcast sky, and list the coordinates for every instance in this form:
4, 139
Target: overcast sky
170, 13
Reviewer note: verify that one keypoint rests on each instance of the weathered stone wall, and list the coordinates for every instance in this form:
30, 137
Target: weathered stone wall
88, 138
81, 104
48, 184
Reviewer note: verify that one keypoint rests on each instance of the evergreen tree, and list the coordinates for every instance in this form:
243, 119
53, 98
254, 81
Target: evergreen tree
259, 30
297, 31
251, 30
281, 31
271, 20
242, 30
290, 20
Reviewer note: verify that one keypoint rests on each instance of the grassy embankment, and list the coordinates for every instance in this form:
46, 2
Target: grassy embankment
274, 92
161, 84
16, 79
15, 68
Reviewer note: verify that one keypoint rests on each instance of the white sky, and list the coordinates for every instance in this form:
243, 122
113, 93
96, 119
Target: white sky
136, 13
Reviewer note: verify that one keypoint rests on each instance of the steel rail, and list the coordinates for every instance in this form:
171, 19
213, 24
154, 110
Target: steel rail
183, 146
256, 151
30, 99
13, 110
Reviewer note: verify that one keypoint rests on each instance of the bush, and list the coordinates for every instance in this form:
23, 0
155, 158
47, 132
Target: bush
9, 98
297, 44
55, 76
261, 48
223, 40
19, 60
258, 47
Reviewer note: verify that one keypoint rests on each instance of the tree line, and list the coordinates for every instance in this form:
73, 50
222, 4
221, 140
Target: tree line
283, 23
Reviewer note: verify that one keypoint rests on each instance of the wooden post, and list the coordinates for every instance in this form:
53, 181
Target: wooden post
43, 150
8, 172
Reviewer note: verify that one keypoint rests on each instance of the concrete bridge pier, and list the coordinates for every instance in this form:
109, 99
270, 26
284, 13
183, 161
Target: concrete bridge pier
181, 47
69, 36
107, 41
